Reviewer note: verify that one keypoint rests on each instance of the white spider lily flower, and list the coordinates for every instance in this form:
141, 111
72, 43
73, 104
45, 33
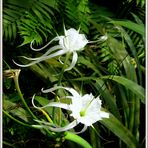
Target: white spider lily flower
84, 109
71, 42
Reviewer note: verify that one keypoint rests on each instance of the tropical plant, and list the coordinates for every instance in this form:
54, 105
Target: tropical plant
111, 66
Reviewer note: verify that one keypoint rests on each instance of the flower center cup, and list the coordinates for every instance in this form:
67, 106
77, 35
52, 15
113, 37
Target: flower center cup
82, 113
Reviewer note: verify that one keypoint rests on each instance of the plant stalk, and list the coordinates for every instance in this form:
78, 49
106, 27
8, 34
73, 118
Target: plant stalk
21, 96
57, 99
75, 138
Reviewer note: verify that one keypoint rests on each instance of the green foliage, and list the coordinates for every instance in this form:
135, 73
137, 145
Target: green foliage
33, 20
113, 69
128, 83
76, 13
116, 127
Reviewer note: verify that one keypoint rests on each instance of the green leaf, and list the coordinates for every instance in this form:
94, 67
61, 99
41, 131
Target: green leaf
9, 32
52, 3
15, 110
14, 30
7, 83
76, 138
120, 130
21, 113
43, 101
88, 63
139, 28
42, 10
46, 9
109, 99
134, 87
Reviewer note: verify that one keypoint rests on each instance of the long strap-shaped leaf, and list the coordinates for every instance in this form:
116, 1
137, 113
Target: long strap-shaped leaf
131, 85
76, 138
134, 87
120, 130
139, 28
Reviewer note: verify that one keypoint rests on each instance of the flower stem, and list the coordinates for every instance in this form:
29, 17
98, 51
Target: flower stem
63, 68
21, 96
14, 73
58, 84
75, 138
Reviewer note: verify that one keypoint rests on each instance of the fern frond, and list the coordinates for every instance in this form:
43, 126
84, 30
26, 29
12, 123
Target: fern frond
32, 19
76, 13
12, 12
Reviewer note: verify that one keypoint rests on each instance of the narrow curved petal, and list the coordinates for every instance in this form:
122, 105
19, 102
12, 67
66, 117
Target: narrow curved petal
39, 49
52, 104
52, 89
58, 129
61, 52
83, 130
44, 122
52, 49
60, 60
44, 55
66, 128
72, 91
74, 60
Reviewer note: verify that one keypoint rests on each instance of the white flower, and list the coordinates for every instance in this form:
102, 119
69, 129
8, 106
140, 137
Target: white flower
71, 42
84, 109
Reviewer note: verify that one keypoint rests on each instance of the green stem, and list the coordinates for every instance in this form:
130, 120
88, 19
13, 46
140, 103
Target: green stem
75, 138
59, 83
21, 96
63, 68
7, 144
22, 123
23, 100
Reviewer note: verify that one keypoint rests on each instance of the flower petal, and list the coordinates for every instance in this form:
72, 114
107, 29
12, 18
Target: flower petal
61, 52
44, 122
83, 130
81, 42
52, 104
71, 90
60, 60
104, 114
52, 89
39, 49
58, 129
72, 41
54, 48
74, 60
61, 42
